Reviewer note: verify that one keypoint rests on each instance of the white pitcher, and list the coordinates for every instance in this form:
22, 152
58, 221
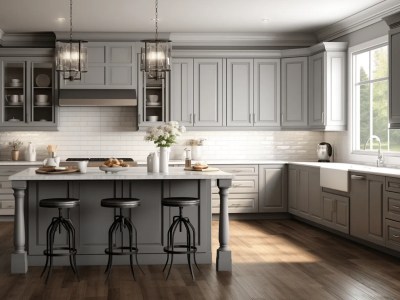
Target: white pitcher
30, 152
52, 162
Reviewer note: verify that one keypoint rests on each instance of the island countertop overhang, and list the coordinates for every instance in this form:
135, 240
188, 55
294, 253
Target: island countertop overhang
136, 173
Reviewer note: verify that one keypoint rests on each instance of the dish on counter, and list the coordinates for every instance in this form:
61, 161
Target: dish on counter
56, 170
42, 80
113, 170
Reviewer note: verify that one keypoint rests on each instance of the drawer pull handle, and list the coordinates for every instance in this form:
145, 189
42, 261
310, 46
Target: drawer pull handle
395, 236
357, 177
395, 206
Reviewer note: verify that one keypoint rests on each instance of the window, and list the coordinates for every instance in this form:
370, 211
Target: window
370, 97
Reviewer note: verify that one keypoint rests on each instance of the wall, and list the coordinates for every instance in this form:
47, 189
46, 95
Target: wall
105, 132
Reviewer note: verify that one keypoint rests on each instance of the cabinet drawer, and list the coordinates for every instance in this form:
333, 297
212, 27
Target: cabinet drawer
7, 204
393, 184
239, 169
391, 206
240, 184
392, 234
237, 203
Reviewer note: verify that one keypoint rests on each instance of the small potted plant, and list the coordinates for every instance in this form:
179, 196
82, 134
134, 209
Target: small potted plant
15, 145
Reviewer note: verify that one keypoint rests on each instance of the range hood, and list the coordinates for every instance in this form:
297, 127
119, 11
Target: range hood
80, 97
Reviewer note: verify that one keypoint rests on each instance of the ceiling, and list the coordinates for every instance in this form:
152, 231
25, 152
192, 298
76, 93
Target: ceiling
207, 16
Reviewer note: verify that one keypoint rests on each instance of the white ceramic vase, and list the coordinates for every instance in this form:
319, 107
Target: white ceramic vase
164, 159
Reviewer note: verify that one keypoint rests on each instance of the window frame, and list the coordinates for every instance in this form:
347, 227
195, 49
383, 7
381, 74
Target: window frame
354, 134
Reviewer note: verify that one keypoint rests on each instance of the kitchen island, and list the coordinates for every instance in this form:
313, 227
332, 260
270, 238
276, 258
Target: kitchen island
92, 221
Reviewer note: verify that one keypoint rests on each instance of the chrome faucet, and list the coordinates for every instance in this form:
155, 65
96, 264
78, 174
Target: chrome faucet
379, 160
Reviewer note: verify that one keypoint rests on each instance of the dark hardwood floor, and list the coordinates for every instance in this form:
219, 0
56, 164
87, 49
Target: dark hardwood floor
273, 259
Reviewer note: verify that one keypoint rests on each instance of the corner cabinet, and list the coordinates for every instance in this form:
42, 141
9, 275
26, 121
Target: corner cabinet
28, 94
327, 91
110, 66
294, 92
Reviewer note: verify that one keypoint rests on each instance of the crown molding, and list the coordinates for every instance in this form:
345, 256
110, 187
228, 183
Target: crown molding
183, 53
242, 39
364, 18
393, 21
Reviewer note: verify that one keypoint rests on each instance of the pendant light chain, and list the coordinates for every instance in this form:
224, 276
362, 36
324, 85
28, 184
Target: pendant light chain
70, 20
156, 19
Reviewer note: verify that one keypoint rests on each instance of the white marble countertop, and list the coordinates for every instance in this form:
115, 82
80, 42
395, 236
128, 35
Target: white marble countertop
20, 163
134, 173
223, 162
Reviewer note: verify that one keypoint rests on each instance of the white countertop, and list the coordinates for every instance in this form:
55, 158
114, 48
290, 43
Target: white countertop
20, 163
223, 162
134, 173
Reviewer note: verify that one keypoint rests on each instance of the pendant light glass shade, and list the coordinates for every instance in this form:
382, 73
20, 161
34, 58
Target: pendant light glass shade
71, 55
156, 54
71, 59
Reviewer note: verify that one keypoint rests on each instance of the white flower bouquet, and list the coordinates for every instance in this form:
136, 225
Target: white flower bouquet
165, 135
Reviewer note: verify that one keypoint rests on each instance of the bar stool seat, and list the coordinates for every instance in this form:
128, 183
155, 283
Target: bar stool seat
57, 223
121, 222
189, 247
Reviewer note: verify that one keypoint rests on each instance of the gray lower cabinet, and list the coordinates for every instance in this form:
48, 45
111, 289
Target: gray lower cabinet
391, 213
304, 192
294, 92
272, 188
111, 65
7, 202
366, 207
243, 195
335, 212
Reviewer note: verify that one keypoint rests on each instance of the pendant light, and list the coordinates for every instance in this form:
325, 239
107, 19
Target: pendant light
71, 55
156, 54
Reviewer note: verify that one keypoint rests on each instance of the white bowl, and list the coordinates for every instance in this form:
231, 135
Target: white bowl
41, 98
152, 118
152, 98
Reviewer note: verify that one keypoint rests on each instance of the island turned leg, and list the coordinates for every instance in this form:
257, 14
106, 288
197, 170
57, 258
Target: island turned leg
224, 257
19, 261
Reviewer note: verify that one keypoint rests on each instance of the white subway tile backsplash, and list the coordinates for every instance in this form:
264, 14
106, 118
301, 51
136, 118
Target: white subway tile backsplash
107, 131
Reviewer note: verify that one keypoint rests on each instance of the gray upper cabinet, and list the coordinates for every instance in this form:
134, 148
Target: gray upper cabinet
208, 92
181, 104
327, 91
28, 94
239, 93
110, 66
394, 70
253, 92
272, 188
294, 92
267, 92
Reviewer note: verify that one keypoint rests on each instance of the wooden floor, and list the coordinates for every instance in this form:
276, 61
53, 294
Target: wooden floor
272, 260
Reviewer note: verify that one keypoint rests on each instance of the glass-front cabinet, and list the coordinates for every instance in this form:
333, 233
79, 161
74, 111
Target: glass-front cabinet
28, 94
152, 96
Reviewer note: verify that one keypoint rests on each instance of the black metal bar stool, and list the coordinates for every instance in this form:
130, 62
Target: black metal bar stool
121, 222
57, 223
190, 246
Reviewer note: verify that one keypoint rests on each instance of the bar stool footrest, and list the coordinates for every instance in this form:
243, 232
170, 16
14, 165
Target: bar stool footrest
180, 249
115, 252
67, 251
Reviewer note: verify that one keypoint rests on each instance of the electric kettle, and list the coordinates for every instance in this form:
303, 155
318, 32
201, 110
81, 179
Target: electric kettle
324, 152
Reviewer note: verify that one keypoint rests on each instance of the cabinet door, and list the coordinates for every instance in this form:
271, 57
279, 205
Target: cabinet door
394, 78
239, 92
267, 89
292, 189
181, 105
302, 200
314, 195
316, 91
294, 92
335, 212
366, 207
272, 187
208, 92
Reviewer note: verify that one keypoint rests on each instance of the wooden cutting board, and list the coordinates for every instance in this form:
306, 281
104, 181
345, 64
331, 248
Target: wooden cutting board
51, 170
209, 169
